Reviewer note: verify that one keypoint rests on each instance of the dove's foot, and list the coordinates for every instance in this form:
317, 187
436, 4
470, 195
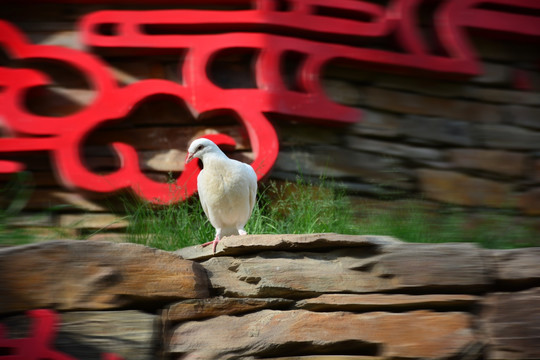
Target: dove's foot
214, 244
242, 232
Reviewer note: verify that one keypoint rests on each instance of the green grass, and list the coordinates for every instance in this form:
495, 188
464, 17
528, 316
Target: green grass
301, 207
15, 194
168, 227
422, 222
287, 208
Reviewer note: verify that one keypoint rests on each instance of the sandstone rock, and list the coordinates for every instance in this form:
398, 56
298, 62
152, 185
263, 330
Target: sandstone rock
403, 102
88, 335
508, 137
420, 334
386, 302
77, 200
503, 96
415, 104
517, 267
523, 115
44, 199
109, 236
377, 123
338, 162
162, 137
456, 188
342, 92
529, 201
67, 38
511, 322
450, 266
476, 112
392, 148
350, 270
165, 160
92, 221
536, 171
376, 168
194, 309
30, 220
496, 161
299, 134
252, 244
70, 275
493, 73
437, 129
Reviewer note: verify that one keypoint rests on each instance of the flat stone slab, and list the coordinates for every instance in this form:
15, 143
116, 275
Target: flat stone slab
517, 266
249, 244
428, 267
95, 275
512, 324
271, 333
194, 309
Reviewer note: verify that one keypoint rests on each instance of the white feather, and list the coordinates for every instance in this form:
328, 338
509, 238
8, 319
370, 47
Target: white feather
227, 188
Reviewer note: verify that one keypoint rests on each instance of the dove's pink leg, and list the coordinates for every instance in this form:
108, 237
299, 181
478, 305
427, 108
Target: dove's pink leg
215, 242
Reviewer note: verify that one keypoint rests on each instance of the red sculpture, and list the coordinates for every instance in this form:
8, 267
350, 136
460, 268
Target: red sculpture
37, 345
62, 136
317, 31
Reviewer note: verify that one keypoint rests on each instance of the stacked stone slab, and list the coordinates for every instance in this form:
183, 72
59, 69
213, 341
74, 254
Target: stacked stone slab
318, 296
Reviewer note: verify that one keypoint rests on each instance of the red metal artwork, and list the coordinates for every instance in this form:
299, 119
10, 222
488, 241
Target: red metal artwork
318, 31
38, 344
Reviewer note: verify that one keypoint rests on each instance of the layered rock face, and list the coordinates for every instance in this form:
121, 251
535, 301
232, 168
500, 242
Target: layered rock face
318, 296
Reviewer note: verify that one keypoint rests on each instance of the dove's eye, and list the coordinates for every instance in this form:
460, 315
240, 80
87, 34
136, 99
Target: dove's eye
199, 148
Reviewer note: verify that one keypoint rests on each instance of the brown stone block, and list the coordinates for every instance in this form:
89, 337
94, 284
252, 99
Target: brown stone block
94, 275
503, 96
377, 123
527, 116
508, 137
194, 309
456, 188
252, 244
536, 171
438, 130
511, 322
517, 267
350, 270
342, 92
407, 103
419, 334
495, 161
529, 202
392, 148
93, 221
416, 104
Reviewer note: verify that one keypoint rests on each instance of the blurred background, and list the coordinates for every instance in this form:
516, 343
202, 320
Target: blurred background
452, 156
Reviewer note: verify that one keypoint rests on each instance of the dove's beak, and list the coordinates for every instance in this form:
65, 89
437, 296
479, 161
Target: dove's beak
189, 157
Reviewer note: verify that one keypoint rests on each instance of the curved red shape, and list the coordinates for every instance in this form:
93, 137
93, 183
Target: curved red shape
64, 135
303, 27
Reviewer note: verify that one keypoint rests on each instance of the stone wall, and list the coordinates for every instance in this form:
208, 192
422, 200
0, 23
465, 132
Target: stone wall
471, 142
318, 296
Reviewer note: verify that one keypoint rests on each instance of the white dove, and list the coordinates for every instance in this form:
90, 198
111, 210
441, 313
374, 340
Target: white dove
227, 189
